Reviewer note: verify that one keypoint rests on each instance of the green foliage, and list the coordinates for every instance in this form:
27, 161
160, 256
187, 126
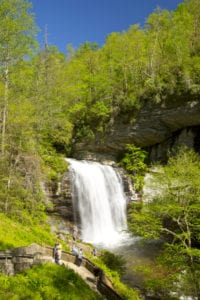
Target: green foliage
67, 99
134, 161
50, 101
157, 279
20, 191
169, 272
133, 66
46, 282
54, 165
124, 290
19, 29
113, 261
173, 215
14, 234
52, 159
48, 95
146, 219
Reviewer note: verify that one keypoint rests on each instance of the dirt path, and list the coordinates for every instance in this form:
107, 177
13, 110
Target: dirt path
86, 275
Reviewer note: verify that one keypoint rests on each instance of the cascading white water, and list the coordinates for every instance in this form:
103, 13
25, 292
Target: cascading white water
100, 200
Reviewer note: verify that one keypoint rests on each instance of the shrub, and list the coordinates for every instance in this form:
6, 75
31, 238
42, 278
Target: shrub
113, 261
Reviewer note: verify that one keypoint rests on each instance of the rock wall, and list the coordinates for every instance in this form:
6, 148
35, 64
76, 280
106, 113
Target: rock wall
157, 128
189, 136
22, 258
129, 190
61, 198
60, 210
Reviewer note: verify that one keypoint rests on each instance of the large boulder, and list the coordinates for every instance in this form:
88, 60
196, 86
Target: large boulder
29, 250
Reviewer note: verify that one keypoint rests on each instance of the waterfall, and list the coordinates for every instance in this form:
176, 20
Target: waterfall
99, 198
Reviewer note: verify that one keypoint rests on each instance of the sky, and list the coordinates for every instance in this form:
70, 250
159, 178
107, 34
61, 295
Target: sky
77, 21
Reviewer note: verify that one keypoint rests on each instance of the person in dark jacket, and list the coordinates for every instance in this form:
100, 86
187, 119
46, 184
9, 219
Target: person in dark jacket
57, 252
80, 257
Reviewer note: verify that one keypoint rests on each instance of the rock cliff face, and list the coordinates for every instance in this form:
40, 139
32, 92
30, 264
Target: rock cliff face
60, 210
157, 128
19, 259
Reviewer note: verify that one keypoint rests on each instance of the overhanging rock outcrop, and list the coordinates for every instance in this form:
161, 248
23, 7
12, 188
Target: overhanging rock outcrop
155, 125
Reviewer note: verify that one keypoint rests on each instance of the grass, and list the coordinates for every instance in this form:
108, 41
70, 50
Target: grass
42, 282
14, 234
46, 282
48, 279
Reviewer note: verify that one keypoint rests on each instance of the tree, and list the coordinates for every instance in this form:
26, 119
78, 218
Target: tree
50, 100
16, 40
87, 91
124, 55
113, 261
173, 215
134, 161
20, 192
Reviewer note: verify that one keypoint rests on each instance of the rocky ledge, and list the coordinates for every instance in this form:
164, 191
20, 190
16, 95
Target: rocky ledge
167, 126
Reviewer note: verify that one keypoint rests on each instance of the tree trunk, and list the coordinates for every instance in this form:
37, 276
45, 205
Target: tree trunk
5, 109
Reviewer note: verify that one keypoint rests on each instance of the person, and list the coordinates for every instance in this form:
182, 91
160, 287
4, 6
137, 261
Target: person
97, 274
74, 249
80, 257
94, 252
57, 252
